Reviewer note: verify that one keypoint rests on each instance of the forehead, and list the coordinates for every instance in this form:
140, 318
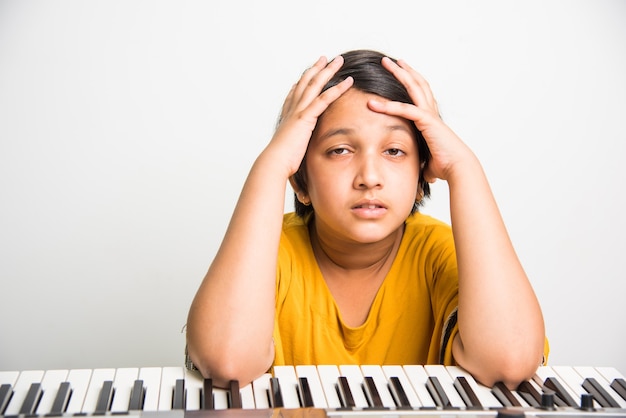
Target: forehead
350, 112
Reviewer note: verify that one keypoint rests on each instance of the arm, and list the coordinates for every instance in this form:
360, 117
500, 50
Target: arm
231, 319
501, 330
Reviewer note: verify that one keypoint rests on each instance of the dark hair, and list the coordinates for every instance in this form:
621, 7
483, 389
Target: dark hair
365, 67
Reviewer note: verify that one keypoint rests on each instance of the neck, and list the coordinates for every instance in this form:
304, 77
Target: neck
354, 257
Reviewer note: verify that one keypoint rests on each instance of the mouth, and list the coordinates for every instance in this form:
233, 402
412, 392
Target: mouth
369, 206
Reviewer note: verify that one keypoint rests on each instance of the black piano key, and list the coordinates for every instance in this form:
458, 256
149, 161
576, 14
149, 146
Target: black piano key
346, 394
373, 397
547, 401
178, 398
557, 400
234, 395
504, 395
33, 396
398, 393
531, 395
467, 394
554, 385
137, 396
276, 395
104, 399
6, 392
586, 402
601, 396
436, 391
618, 385
207, 394
306, 397
61, 399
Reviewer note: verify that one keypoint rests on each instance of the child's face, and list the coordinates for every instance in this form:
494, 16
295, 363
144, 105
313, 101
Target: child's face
362, 170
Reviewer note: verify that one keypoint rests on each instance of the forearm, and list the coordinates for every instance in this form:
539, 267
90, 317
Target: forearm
231, 319
501, 327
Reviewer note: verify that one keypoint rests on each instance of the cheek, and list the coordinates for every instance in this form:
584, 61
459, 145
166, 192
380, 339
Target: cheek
322, 182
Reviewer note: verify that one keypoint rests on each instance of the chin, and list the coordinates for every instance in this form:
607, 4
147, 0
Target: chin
372, 235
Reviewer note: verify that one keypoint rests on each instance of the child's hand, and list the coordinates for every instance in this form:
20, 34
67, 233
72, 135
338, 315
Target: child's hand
446, 148
302, 107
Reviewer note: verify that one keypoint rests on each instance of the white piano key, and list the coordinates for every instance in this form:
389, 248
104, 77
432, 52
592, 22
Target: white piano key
20, 389
315, 385
247, 397
587, 372
544, 372
123, 385
169, 375
571, 379
50, 383
151, 377
193, 387
418, 376
380, 381
356, 383
79, 383
329, 376
398, 371
98, 377
220, 398
447, 383
486, 398
8, 378
610, 373
288, 385
536, 386
520, 400
260, 388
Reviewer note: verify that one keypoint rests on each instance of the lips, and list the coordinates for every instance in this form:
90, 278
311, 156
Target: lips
369, 204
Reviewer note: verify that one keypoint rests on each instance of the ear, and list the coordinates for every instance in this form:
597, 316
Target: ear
420, 194
301, 195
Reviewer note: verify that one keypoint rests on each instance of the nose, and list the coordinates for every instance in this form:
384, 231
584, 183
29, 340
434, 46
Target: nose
368, 172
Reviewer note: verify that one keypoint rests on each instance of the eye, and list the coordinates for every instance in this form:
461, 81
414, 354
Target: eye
394, 152
338, 151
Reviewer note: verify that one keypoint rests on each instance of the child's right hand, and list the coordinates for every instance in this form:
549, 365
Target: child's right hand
301, 109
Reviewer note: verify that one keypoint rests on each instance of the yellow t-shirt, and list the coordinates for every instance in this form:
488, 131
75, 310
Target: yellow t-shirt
412, 319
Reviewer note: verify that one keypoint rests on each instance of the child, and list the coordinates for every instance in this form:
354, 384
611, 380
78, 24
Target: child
357, 275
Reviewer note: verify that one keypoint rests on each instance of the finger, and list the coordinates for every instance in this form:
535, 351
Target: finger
404, 110
316, 83
416, 85
310, 85
423, 83
294, 95
320, 103
308, 74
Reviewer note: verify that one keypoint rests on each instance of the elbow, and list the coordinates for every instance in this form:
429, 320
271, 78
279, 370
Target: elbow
513, 369
509, 365
223, 366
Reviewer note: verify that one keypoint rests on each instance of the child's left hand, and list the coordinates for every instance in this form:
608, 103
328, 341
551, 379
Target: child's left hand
446, 148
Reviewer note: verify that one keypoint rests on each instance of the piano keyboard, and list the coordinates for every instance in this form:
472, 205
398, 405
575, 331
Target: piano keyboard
311, 391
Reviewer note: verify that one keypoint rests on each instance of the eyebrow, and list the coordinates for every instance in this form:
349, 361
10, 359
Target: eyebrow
347, 131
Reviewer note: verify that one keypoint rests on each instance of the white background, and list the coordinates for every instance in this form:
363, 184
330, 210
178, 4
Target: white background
127, 129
